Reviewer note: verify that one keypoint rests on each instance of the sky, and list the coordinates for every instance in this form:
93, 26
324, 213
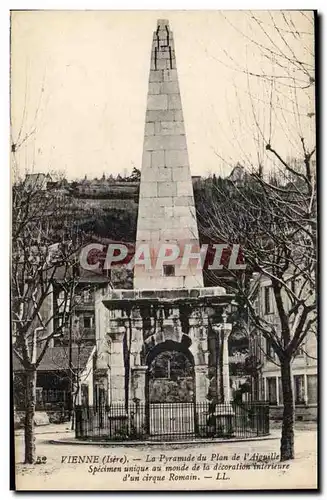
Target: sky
79, 85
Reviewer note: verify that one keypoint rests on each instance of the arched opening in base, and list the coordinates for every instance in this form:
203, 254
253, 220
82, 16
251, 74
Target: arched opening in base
170, 390
171, 378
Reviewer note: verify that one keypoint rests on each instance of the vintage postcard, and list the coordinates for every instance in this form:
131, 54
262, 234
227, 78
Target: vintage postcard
164, 250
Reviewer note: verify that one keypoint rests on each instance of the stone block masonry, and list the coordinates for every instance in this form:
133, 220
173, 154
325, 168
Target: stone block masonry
157, 102
166, 203
174, 158
166, 142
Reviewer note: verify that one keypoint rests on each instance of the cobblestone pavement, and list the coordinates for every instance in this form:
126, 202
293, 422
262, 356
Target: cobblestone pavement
214, 466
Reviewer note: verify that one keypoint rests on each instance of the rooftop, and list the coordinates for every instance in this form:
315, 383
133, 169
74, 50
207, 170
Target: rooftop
57, 359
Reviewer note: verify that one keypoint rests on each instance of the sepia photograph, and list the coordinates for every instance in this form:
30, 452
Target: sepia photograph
163, 259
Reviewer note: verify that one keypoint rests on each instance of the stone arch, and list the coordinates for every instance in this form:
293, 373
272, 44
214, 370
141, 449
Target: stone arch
170, 375
169, 345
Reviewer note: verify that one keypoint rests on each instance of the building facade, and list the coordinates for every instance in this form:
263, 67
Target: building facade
65, 373
304, 365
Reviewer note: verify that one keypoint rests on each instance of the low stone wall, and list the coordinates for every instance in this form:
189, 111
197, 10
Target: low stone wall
41, 418
302, 413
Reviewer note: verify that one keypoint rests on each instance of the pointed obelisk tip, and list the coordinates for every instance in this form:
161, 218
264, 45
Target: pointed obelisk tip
162, 23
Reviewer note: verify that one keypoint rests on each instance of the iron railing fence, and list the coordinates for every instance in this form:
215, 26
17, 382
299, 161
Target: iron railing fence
170, 421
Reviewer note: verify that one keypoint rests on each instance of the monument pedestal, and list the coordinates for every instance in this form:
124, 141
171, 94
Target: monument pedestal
224, 419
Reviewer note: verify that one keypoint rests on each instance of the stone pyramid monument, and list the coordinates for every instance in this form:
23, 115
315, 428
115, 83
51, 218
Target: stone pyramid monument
166, 204
169, 310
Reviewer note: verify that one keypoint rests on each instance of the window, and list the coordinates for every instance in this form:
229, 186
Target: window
269, 349
270, 353
299, 391
271, 390
86, 295
312, 389
280, 391
39, 395
87, 321
268, 300
256, 305
299, 353
84, 395
168, 270
78, 299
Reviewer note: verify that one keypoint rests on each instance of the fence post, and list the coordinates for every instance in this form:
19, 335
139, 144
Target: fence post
267, 421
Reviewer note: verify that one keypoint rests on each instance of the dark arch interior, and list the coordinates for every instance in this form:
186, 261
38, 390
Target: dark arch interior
169, 345
170, 376
171, 365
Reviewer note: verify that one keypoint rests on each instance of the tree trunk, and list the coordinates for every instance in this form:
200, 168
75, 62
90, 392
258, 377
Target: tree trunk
287, 440
29, 416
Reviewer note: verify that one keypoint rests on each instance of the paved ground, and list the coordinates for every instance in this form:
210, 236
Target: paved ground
204, 466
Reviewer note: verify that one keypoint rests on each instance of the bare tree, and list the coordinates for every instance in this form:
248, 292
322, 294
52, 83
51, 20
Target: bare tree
42, 247
276, 227
273, 216
75, 351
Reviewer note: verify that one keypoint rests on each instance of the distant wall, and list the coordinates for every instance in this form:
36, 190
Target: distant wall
121, 204
117, 203
171, 391
301, 413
